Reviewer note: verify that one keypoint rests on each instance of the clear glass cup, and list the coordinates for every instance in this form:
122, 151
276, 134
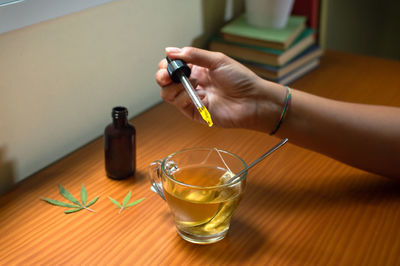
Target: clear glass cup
194, 184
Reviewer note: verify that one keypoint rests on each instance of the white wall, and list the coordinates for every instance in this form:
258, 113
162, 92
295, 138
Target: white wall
59, 79
15, 14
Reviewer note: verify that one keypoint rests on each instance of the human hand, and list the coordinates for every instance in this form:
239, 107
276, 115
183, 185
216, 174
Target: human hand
230, 91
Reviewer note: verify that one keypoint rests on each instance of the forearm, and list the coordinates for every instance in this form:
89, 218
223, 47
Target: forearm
364, 136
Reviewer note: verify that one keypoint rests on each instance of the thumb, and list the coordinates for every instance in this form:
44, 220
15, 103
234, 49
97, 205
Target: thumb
196, 56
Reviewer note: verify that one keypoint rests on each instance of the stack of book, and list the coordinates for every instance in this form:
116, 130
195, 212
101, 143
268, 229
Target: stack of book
279, 55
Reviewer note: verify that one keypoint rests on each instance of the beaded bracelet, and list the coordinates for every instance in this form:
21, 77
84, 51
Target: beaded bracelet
284, 111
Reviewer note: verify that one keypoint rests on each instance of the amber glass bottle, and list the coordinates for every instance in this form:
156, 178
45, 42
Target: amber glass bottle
120, 145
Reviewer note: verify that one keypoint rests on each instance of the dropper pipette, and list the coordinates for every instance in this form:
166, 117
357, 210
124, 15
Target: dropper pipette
180, 72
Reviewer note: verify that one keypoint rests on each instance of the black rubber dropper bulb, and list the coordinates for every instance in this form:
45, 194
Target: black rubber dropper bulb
176, 68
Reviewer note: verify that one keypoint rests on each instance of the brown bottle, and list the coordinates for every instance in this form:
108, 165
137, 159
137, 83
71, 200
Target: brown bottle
120, 145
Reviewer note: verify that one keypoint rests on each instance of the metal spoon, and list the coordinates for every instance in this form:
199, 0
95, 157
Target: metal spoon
280, 144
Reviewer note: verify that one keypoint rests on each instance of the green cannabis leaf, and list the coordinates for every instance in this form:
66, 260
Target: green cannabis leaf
125, 203
83, 195
77, 206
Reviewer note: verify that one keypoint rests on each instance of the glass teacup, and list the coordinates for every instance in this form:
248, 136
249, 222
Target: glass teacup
194, 183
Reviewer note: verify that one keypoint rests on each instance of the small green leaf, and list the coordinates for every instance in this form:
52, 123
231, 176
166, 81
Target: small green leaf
59, 203
68, 195
115, 202
83, 195
126, 199
73, 210
93, 201
134, 203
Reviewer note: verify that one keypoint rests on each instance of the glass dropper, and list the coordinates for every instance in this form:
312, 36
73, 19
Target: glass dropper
180, 72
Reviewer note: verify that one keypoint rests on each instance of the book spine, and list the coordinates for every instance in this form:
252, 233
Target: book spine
244, 53
308, 8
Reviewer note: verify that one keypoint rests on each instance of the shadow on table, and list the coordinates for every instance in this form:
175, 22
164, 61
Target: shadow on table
241, 243
353, 190
139, 178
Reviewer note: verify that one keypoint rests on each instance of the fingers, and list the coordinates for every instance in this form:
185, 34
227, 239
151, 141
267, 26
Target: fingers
171, 91
182, 100
163, 78
197, 56
163, 64
175, 95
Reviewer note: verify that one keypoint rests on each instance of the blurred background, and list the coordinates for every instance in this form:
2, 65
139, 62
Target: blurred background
65, 67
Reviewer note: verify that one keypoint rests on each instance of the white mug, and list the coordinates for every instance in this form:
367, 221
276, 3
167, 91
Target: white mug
268, 13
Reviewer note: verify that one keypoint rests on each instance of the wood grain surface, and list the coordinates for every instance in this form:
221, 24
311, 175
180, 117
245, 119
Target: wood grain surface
300, 207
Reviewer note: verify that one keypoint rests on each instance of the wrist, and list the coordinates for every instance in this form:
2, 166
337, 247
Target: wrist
270, 101
284, 111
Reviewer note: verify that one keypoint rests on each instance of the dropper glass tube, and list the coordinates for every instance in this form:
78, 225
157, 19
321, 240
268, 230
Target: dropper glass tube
179, 71
196, 100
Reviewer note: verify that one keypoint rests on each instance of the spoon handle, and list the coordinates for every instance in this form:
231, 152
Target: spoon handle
277, 146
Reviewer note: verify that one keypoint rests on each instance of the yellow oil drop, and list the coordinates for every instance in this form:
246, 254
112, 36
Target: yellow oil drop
205, 115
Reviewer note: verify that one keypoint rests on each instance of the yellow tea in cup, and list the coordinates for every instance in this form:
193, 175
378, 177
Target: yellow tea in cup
202, 212
197, 194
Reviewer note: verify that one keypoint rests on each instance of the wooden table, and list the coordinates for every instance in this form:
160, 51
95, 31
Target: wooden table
300, 207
